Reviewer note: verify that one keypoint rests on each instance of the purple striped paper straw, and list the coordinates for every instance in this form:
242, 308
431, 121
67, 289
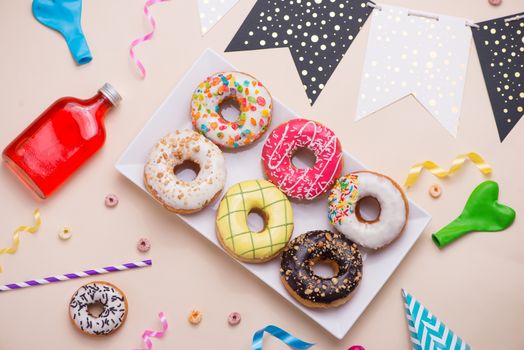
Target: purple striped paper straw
74, 275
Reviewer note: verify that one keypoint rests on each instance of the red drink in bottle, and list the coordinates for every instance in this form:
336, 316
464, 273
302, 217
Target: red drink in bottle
60, 140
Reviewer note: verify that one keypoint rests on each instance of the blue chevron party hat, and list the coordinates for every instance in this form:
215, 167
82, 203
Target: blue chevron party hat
425, 329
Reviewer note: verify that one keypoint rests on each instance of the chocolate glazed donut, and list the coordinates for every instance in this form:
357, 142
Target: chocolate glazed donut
302, 253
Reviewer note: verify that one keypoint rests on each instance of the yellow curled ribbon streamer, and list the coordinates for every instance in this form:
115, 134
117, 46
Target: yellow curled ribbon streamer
16, 234
457, 163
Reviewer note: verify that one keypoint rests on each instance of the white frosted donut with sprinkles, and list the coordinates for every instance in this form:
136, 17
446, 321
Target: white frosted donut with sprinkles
344, 208
252, 98
114, 304
173, 193
282, 144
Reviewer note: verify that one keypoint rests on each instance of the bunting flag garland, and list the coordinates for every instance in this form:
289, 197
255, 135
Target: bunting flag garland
212, 11
500, 47
425, 329
415, 53
317, 32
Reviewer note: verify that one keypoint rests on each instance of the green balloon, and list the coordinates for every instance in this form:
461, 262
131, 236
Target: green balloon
481, 213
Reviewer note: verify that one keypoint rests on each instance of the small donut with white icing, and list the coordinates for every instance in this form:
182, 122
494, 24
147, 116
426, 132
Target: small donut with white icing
283, 143
251, 97
344, 208
175, 194
114, 304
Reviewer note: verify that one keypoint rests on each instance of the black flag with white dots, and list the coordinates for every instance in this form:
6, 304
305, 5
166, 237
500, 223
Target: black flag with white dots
500, 47
317, 32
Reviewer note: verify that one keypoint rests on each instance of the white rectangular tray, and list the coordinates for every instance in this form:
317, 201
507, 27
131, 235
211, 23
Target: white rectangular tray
245, 165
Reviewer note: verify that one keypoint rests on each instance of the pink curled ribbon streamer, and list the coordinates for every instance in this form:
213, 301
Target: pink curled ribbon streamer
146, 37
154, 334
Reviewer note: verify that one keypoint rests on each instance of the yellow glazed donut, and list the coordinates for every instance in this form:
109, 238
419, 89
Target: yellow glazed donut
233, 232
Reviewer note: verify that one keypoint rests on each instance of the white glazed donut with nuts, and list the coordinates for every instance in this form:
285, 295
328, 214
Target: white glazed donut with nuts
174, 193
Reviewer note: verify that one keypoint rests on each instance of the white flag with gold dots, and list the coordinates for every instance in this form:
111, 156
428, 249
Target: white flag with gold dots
212, 11
418, 53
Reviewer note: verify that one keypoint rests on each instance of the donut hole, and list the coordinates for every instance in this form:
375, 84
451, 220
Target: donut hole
368, 210
95, 309
256, 220
303, 158
324, 268
187, 171
229, 109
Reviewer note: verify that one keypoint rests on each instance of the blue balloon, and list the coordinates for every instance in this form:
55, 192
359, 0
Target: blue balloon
64, 17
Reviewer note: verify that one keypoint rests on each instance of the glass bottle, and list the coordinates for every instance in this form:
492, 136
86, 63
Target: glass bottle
60, 140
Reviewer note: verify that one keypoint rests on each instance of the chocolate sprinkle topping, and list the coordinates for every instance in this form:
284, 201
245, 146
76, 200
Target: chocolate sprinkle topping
112, 301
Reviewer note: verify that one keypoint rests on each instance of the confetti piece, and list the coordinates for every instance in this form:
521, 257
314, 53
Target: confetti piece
146, 37
75, 275
457, 163
16, 235
195, 317
111, 200
234, 318
154, 334
65, 233
435, 190
143, 245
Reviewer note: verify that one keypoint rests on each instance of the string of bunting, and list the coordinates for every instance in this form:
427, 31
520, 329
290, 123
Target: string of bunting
408, 52
427, 53
456, 164
16, 234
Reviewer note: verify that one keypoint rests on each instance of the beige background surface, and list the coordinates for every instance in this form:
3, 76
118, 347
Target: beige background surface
476, 285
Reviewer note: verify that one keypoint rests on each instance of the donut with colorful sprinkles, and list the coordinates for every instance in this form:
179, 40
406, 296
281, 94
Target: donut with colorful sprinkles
283, 143
110, 297
344, 203
247, 93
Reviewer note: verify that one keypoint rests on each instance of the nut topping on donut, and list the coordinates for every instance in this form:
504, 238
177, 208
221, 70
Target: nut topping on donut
304, 252
173, 150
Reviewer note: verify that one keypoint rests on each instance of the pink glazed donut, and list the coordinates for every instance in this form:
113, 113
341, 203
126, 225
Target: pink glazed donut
282, 144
